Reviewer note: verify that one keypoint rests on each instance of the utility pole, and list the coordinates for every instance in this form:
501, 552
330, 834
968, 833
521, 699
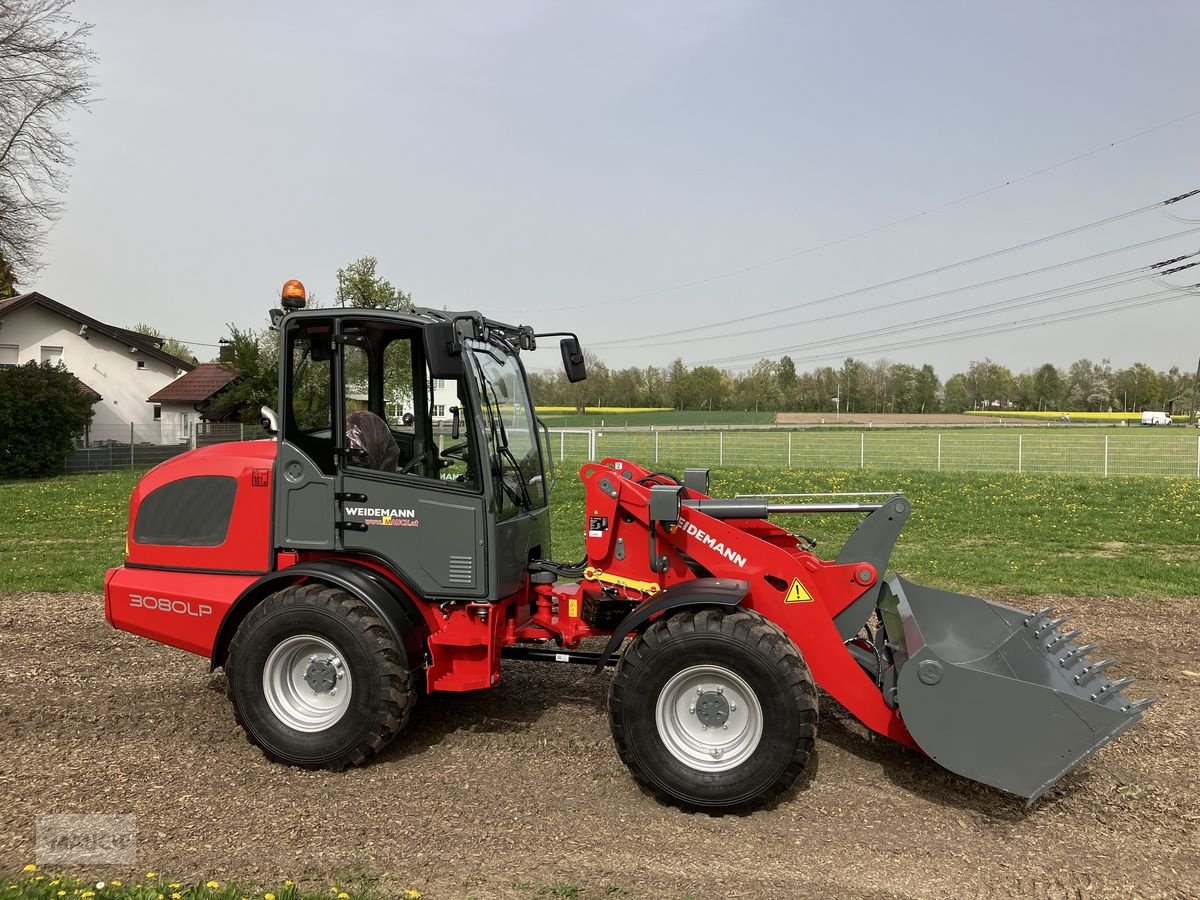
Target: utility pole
1195, 384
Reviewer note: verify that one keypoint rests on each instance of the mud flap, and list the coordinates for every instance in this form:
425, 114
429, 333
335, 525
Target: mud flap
996, 694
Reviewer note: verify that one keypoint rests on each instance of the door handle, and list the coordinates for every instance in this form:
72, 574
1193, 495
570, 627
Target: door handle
343, 496
351, 526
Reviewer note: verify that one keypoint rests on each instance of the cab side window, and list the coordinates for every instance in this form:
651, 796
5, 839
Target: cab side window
309, 377
398, 418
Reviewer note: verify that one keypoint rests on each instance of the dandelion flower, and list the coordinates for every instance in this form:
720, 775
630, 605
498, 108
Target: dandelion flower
212, 885
342, 895
115, 883
30, 868
411, 894
268, 896
177, 896
151, 874
289, 883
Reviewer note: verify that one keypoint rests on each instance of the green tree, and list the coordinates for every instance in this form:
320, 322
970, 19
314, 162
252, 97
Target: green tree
176, 348
254, 356
43, 408
957, 398
358, 286
900, 392
758, 388
1138, 387
787, 380
855, 386
1048, 387
925, 390
709, 388
990, 385
1089, 386
8, 282
677, 384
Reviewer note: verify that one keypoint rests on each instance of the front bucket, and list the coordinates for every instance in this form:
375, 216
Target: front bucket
996, 694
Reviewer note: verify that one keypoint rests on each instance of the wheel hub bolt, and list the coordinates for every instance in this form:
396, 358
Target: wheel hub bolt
717, 753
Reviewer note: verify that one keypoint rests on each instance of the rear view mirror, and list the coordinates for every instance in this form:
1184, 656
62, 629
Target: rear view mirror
443, 351
573, 361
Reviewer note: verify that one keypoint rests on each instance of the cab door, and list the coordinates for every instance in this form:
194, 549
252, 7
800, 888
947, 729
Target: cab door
408, 488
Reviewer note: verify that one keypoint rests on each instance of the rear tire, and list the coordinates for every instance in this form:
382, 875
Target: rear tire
713, 710
316, 679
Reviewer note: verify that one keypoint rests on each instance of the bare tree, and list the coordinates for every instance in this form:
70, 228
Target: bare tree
44, 60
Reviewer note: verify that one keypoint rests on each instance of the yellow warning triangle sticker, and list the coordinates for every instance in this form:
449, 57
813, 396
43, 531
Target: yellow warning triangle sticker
797, 594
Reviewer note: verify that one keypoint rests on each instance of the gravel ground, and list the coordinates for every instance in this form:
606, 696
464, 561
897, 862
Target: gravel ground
514, 791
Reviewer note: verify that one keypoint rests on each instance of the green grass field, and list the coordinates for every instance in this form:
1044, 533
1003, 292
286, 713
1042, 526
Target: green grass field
1079, 451
999, 534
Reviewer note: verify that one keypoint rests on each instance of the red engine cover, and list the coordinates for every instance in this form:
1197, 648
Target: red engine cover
199, 544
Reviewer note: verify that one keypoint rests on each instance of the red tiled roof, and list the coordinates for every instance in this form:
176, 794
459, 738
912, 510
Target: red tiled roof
87, 391
199, 384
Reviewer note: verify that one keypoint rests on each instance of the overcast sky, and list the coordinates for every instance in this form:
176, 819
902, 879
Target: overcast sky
575, 165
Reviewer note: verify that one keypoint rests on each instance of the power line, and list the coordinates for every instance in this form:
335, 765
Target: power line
1094, 310
938, 270
977, 312
873, 230
987, 309
657, 339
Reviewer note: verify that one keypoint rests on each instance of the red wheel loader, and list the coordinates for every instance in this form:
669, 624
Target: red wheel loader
393, 538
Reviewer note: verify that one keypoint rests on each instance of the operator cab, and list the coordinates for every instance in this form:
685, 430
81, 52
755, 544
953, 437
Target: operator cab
410, 438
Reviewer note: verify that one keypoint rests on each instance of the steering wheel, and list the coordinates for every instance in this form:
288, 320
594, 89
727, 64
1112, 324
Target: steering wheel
457, 452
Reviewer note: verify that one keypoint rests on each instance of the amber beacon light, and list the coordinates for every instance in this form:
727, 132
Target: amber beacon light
293, 294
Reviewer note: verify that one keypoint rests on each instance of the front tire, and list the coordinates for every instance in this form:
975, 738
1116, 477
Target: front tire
316, 679
713, 710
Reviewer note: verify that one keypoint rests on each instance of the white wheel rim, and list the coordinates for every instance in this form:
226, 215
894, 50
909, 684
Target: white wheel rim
306, 683
709, 718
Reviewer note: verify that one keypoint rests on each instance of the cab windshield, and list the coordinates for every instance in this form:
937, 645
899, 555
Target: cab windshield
509, 428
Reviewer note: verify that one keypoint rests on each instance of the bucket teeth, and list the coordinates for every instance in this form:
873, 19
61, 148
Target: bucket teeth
1064, 637
1075, 654
1137, 706
1034, 620
1046, 627
1113, 688
1093, 670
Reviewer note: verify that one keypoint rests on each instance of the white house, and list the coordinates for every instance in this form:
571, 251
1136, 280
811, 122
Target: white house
192, 399
121, 366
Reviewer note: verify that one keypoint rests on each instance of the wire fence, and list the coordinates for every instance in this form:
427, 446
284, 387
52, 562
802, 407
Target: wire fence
1104, 453
107, 448
1116, 452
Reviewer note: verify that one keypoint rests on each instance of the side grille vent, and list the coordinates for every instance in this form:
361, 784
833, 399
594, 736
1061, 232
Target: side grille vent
462, 570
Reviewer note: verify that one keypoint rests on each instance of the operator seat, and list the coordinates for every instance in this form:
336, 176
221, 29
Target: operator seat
368, 432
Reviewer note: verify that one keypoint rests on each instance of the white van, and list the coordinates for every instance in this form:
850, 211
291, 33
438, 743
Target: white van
1155, 418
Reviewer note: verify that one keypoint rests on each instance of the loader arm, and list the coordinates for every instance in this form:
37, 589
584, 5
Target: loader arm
788, 584
997, 694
